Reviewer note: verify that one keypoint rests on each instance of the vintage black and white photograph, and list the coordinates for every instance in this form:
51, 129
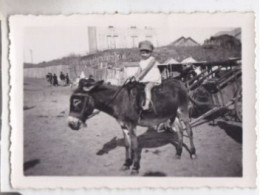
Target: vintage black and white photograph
130, 99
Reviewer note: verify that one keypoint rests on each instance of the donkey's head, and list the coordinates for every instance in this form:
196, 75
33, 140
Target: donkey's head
82, 103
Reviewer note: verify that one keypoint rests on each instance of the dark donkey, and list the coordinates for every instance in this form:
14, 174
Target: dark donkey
170, 101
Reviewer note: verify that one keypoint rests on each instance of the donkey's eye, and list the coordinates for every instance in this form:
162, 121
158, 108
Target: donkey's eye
77, 103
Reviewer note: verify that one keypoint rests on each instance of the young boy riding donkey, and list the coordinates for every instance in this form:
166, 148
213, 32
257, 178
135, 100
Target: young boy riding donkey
148, 72
169, 102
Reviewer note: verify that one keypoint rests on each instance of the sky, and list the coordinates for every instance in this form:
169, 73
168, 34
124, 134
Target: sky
48, 43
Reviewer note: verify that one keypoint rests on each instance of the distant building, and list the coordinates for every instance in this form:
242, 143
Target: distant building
92, 39
103, 38
238, 35
223, 41
185, 42
235, 33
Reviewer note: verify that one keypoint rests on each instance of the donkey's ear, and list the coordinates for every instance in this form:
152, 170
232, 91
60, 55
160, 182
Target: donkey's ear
91, 87
88, 89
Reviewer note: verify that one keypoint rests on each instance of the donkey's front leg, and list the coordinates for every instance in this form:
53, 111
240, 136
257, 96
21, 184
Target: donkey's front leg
128, 149
136, 151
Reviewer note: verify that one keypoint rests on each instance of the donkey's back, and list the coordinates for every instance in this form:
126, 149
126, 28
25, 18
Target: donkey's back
167, 99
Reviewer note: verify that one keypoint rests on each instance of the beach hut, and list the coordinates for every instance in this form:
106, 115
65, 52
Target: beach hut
189, 60
171, 61
169, 70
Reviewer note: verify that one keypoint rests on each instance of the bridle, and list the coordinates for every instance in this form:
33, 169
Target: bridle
130, 79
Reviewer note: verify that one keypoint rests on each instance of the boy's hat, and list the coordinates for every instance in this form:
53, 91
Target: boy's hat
145, 45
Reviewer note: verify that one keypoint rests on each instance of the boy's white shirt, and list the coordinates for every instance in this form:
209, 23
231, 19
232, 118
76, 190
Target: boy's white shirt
154, 74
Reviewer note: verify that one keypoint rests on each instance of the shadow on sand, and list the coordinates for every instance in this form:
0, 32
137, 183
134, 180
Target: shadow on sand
150, 139
154, 174
232, 130
28, 107
30, 164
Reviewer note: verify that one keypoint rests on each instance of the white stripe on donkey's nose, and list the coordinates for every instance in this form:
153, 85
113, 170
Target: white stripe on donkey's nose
72, 119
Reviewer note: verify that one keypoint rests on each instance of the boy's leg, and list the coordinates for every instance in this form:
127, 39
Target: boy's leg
148, 95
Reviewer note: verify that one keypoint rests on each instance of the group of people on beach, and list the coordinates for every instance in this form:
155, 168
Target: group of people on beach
52, 78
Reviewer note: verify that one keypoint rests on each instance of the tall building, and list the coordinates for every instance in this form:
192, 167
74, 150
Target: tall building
92, 39
111, 37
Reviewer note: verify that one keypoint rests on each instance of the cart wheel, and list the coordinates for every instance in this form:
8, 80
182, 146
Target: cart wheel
238, 105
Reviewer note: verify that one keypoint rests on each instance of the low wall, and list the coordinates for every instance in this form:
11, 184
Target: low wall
41, 72
74, 72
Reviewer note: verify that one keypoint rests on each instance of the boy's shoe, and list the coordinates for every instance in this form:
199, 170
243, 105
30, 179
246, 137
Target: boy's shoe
146, 106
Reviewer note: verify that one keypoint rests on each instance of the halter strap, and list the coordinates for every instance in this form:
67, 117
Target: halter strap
112, 99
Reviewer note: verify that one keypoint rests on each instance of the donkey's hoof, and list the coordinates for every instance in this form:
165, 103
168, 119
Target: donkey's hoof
177, 156
134, 172
124, 168
193, 156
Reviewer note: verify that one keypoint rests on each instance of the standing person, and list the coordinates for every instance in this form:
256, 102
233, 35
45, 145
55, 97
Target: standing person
55, 80
90, 78
62, 78
49, 78
148, 72
67, 79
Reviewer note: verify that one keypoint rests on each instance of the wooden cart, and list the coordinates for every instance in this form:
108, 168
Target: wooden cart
220, 82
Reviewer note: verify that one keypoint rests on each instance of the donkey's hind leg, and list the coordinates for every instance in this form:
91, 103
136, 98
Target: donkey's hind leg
190, 134
183, 114
179, 131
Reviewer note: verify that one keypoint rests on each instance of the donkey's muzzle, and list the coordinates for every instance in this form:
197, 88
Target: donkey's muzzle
74, 123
